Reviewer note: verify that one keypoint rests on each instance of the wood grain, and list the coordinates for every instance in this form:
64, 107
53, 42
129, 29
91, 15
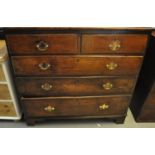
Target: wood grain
99, 43
86, 106
58, 43
86, 86
76, 65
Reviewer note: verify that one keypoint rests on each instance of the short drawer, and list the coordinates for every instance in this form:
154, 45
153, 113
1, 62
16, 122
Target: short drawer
114, 43
7, 109
76, 65
2, 76
76, 106
84, 86
44, 44
4, 92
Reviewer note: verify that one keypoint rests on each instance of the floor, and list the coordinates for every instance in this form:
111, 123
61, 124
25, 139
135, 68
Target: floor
129, 123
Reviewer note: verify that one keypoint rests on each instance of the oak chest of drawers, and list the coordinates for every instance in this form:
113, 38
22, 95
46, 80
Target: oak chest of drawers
76, 72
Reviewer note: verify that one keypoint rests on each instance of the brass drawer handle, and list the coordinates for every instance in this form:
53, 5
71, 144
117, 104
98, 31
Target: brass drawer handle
49, 108
44, 66
42, 46
107, 86
115, 45
46, 86
103, 106
111, 66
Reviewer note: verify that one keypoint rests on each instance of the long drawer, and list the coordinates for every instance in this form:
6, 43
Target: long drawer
84, 86
114, 43
44, 44
76, 65
76, 106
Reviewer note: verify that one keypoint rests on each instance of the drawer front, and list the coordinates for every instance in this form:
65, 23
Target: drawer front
2, 76
44, 44
7, 109
114, 43
76, 65
76, 106
45, 87
4, 92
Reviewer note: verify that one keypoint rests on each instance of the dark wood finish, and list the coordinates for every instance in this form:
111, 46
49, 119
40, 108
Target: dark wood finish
142, 103
76, 70
79, 106
117, 119
147, 112
30, 121
150, 101
120, 120
85, 86
152, 90
57, 43
99, 43
76, 65
83, 30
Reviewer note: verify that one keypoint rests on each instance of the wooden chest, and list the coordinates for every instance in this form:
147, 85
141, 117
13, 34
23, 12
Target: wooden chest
76, 72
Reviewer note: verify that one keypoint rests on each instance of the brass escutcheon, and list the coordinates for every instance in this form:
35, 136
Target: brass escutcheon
44, 66
111, 66
46, 86
49, 108
42, 46
107, 86
103, 106
115, 45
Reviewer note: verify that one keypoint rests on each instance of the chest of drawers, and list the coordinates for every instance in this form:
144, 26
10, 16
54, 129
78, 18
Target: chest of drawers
63, 73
